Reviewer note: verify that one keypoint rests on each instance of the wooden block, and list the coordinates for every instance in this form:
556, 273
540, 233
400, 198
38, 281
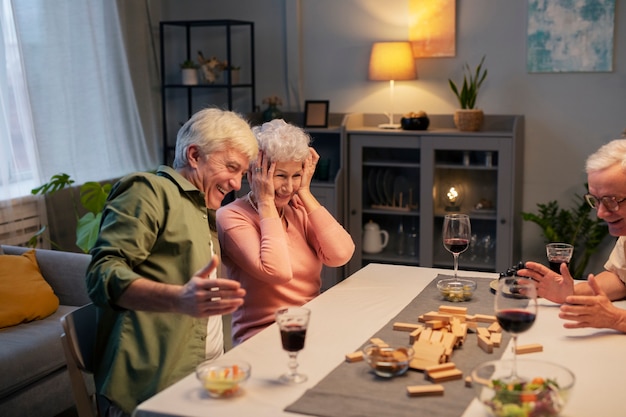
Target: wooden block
449, 340
378, 342
424, 390
494, 327
482, 331
472, 325
485, 318
425, 335
426, 354
440, 367
435, 324
447, 375
414, 335
485, 344
453, 310
531, 348
406, 327
354, 356
496, 339
436, 337
434, 315
468, 381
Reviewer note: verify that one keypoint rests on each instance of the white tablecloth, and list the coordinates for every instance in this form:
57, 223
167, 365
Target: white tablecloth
352, 311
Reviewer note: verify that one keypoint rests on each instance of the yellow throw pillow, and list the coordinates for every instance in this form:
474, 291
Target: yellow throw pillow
24, 293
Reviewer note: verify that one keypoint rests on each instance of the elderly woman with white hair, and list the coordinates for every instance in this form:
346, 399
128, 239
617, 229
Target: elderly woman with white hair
275, 240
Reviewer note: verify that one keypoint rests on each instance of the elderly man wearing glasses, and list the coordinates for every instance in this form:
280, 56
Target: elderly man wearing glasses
589, 303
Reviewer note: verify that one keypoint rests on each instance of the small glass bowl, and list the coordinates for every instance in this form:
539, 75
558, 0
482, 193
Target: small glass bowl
222, 379
388, 361
456, 289
543, 389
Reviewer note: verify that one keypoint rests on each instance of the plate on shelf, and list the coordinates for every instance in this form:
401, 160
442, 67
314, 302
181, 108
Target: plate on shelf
388, 186
371, 186
379, 187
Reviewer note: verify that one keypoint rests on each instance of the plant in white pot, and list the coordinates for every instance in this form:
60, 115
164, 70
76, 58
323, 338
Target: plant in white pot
189, 70
468, 117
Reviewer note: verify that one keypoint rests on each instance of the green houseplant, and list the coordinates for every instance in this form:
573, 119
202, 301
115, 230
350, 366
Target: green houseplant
468, 118
575, 226
189, 70
93, 196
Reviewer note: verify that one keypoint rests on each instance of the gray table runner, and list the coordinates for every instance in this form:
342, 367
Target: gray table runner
352, 389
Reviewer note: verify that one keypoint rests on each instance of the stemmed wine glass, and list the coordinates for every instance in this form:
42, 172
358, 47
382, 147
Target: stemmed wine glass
457, 232
293, 323
516, 309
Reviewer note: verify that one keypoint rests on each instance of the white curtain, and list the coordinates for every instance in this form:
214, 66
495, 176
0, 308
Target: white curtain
85, 108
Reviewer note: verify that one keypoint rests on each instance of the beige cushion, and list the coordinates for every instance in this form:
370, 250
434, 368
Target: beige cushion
24, 293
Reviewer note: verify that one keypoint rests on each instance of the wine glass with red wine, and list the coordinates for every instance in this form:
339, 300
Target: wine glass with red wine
293, 323
516, 309
456, 234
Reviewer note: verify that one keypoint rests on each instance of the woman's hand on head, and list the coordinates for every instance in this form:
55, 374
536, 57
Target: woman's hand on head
261, 178
308, 169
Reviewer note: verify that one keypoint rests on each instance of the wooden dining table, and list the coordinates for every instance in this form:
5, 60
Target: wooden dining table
349, 313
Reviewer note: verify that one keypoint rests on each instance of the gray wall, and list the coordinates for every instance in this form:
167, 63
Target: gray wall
319, 49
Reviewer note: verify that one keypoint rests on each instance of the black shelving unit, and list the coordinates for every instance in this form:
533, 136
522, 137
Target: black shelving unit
196, 35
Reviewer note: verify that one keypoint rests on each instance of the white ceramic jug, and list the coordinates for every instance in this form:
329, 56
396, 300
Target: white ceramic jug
374, 238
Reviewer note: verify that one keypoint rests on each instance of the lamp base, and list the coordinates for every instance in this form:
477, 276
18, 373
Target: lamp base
389, 126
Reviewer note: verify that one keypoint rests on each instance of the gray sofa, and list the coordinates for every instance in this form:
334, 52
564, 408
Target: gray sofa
33, 375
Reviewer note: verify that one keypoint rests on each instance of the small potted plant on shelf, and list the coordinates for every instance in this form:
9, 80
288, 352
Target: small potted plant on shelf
272, 111
468, 117
189, 71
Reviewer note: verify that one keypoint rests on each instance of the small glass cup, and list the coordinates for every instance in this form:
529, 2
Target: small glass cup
557, 254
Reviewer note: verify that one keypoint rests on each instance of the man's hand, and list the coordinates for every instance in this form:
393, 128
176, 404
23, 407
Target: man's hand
203, 297
550, 285
595, 310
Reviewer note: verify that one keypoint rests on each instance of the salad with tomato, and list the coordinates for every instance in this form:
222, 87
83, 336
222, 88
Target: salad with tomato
537, 398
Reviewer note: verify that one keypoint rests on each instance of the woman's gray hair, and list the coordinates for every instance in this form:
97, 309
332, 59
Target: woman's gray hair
214, 130
608, 155
282, 142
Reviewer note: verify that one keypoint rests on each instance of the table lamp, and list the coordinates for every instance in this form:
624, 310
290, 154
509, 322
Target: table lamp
392, 61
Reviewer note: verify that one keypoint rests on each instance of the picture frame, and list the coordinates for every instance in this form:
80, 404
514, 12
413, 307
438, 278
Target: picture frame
316, 113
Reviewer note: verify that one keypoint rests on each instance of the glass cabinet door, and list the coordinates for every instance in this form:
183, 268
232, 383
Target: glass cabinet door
388, 222
466, 178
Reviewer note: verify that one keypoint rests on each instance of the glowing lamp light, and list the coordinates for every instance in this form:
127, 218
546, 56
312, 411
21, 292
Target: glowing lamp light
453, 198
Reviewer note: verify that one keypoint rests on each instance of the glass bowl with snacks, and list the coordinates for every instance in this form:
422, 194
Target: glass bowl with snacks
388, 361
456, 289
222, 379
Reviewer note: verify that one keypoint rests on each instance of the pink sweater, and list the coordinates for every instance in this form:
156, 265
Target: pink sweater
276, 267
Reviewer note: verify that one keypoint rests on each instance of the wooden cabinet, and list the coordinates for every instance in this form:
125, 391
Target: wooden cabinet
226, 40
401, 179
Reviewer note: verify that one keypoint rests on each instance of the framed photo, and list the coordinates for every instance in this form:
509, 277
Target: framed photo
316, 113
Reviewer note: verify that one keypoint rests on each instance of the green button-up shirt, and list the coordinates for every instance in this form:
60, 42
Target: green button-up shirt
155, 227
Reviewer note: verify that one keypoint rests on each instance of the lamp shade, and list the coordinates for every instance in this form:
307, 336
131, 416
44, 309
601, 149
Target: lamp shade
392, 61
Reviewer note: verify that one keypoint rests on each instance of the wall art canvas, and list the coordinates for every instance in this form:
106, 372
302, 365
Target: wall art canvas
432, 28
570, 35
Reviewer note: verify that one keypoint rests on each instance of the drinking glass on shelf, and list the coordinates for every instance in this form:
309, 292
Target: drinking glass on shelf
557, 254
456, 234
293, 323
516, 309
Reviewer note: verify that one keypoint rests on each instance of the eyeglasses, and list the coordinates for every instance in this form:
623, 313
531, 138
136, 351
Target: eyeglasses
611, 203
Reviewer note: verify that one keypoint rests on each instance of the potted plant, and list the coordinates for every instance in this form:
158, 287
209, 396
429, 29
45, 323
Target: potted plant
93, 196
574, 226
468, 118
189, 71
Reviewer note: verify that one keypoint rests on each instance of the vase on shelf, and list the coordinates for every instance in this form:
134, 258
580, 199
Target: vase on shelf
272, 112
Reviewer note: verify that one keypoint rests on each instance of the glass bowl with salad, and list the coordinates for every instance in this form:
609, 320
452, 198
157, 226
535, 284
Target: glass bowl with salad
540, 390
